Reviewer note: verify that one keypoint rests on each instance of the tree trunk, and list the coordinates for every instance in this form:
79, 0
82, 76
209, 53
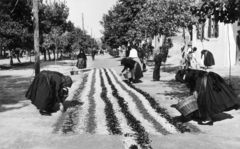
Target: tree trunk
49, 55
45, 55
36, 36
11, 60
61, 56
0, 51
10, 57
4, 53
18, 57
54, 56
57, 54
184, 36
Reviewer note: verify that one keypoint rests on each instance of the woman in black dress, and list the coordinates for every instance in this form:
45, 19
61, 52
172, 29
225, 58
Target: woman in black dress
47, 89
213, 94
82, 60
134, 67
208, 59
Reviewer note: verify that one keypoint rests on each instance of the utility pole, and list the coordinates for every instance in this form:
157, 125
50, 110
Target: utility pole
91, 37
83, 24
36, 36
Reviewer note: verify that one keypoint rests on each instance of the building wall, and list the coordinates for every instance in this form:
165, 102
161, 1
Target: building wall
218, 46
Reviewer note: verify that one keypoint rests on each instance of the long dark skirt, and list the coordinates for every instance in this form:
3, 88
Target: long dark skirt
137, 71
209, 59
156, 72
81, 63
215, 96
40, 93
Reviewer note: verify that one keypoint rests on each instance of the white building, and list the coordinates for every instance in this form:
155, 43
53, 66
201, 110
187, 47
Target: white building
221, 40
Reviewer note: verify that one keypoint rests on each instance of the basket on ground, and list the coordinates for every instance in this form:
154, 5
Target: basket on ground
187, 106
74, 72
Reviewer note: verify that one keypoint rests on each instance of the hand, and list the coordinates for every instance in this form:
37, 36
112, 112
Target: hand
61, 107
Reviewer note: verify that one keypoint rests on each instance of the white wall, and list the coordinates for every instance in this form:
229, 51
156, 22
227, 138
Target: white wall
219, 46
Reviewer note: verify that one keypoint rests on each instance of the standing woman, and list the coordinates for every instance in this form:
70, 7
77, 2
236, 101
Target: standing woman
82, 60
134, 67
47, 89
158, 58
207, 58
134, 54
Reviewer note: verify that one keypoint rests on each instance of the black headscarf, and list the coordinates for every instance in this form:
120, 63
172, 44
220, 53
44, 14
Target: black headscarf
67, 81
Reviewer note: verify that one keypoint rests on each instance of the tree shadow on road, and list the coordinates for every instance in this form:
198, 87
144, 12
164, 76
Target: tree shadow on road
179, 91
12, 91
234, 83
18, 66
170, 69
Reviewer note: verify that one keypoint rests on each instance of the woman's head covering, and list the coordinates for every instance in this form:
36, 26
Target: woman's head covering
180, 75
124, 61
67, 81
81, 50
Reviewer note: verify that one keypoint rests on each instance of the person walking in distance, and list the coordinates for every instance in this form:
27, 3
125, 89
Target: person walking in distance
93, 54
158, 61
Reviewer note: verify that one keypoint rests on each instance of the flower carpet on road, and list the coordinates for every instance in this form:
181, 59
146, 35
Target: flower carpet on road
110, 106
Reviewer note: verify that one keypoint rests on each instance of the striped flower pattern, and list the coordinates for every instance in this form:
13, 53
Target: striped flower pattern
110, 106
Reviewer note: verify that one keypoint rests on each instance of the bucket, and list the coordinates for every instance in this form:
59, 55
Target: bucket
74, 72
187, 106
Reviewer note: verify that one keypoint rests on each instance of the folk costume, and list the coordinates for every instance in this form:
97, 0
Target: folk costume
82, 60
158, 58
135, 56
134, 67
207, 57
47, 89
214, 95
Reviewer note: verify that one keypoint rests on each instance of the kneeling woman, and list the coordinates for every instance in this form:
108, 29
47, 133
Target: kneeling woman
47, 89
213, 94
134, 67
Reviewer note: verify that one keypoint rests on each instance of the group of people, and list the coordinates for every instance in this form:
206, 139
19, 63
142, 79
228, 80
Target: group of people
189, 59
136, 59
212, 93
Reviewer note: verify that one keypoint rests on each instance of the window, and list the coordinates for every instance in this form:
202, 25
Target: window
200, 31
212, 28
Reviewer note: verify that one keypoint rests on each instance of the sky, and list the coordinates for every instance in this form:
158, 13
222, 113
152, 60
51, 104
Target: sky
92, 11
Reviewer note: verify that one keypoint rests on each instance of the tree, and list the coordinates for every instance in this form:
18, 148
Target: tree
119, 22
136, 20
53, 25
16, 29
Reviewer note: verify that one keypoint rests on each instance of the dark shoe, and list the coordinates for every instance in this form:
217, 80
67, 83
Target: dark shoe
45, 113
134, 81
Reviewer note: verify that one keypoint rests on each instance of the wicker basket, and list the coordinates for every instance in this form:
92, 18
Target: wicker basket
187, 106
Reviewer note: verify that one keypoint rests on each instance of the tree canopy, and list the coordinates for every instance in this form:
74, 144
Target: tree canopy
136, 20
226, 11
55, 31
